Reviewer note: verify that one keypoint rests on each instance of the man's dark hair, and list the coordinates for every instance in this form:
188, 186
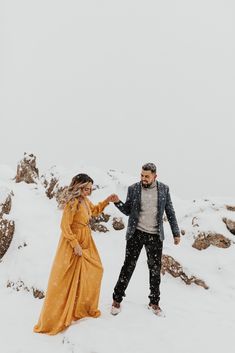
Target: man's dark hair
150, 166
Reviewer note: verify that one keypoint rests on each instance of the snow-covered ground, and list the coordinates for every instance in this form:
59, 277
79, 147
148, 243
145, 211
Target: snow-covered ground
196, 319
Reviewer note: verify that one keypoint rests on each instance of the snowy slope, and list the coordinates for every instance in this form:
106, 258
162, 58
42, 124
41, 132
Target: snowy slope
195, 318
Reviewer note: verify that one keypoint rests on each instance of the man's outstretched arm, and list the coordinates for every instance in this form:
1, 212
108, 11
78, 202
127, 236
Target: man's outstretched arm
125, 207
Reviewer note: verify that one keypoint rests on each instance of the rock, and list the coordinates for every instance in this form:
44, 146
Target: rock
203, 241
27, 170
182, 232
118, 223
230, 208
53, 189
50, 187
229, 224
103, 217
23, 245
98, 227
7, 227
38, 293
5, 207
50, 180
173, 267
194, 222
19, 285
57, 193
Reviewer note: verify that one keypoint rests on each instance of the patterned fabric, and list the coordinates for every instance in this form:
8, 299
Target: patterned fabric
153, 247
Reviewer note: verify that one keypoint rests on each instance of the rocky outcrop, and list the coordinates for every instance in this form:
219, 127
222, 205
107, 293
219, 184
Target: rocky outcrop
5, 207
27, 170
118, 223
97, 227
96, 223
230, 208
204, 240
7, 227
230, 225
19, 285
195, 222
173, 267
52, 187
103, 217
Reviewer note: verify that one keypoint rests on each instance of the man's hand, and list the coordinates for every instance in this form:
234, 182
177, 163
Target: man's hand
78, 250
113, 198
177, 240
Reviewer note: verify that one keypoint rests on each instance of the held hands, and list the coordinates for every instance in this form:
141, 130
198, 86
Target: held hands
113, 198
177, 240
78, 250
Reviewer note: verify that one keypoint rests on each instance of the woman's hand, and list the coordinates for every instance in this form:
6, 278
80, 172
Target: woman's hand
113, 198
78, 250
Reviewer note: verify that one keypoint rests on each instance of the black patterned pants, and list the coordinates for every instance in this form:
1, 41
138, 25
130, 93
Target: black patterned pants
153, 247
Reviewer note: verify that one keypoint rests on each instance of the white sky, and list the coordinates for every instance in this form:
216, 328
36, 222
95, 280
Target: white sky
117, 84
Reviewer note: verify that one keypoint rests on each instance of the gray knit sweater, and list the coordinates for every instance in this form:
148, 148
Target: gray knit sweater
148, 210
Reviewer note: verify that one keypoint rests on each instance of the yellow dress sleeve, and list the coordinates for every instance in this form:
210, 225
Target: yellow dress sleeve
67, 220
97, 209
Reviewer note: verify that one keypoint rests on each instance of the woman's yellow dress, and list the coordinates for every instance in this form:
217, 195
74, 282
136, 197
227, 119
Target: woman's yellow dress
74, 283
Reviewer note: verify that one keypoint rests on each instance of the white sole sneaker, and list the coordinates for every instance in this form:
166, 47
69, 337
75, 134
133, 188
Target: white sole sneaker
115, 311
159, 313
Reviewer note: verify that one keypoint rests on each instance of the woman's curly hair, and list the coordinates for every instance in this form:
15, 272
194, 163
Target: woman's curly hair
73, 191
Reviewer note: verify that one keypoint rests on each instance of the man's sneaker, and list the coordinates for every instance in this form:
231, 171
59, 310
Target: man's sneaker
116, 308
156, 310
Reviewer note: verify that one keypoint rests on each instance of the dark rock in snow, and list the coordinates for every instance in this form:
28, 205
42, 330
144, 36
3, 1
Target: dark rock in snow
20, 285
5, 207
173, 267
103, 217
194, 222
53, 189
204, 240
230, 225
118, 223
98, 227
230, 208
27, 170
7, 227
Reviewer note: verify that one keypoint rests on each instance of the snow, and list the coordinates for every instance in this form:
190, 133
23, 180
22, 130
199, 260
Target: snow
196, 319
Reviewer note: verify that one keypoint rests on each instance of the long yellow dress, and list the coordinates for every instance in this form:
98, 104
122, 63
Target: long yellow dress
74, 283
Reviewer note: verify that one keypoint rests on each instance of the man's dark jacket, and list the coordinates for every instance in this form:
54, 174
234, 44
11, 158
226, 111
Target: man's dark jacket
132, 206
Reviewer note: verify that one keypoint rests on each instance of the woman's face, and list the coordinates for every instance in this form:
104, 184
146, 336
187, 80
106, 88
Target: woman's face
87, 190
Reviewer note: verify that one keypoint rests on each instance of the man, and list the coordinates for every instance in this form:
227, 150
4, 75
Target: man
145, 205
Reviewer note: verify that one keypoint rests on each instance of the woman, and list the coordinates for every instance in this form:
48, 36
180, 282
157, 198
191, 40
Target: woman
75, 279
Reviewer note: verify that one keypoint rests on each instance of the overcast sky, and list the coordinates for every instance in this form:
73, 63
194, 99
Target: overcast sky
117, 84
